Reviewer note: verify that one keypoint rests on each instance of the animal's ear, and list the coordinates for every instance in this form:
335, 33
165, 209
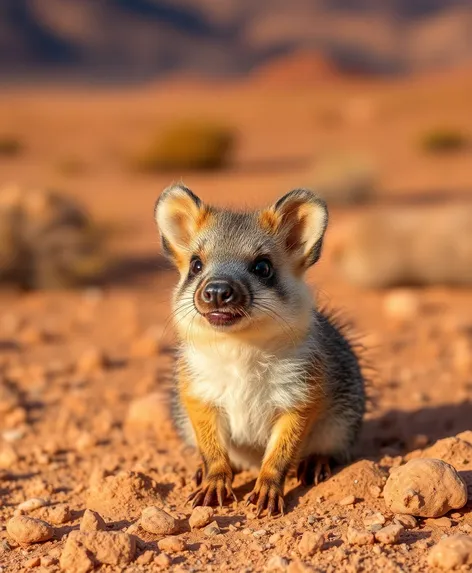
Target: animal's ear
178, 213
300, 219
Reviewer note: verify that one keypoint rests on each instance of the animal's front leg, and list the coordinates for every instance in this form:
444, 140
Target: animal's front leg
282, 450
217, 478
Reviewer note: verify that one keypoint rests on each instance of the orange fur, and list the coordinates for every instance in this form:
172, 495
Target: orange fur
269, 221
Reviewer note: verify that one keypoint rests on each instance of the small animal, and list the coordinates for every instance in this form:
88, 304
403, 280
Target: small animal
263, 378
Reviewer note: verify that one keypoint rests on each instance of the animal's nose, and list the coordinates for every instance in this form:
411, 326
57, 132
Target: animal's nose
218, 293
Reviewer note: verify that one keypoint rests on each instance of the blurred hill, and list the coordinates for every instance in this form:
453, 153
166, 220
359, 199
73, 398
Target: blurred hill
139, 38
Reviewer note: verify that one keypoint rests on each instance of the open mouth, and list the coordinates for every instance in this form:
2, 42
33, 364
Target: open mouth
223, 318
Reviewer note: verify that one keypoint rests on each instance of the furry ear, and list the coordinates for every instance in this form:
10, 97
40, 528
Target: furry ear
300, 219
178, 213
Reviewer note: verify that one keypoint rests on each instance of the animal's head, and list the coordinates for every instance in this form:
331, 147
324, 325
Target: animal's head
241, 273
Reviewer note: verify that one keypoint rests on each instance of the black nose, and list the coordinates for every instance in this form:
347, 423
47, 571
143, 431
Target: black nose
218, 293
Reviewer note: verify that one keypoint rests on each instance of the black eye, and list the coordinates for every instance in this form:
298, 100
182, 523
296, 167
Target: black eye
262, 268
196, 266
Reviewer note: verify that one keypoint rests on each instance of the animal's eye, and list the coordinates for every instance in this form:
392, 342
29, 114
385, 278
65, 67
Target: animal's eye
262, 268
196, 266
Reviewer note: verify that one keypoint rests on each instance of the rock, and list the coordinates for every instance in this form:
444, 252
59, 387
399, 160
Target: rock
122, 496
201, 516
276, 563
92, 521
91, 361
374, 519
401, 305
310, 543
389, 534
348, 500
145, 558
359, 537
31, 504
48, 561
455, 451
163, 560
274, 538
465, 437
85, 441
439, 522
33, 562
451, 553
56, 514
425, 488
212, 529
172, 544
375, 491
155, 520
407, 521
387, 247
27, 530
84, 549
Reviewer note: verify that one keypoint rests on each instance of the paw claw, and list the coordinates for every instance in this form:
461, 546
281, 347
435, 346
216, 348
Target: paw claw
267, 495
314, 470
214, 488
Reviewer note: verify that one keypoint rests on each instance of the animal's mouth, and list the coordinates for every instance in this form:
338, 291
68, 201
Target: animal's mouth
223, 317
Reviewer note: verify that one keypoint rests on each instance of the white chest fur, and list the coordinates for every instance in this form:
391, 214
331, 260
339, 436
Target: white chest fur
250, 386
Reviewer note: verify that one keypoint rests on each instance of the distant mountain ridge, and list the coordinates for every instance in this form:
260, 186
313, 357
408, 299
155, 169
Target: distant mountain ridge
224, 37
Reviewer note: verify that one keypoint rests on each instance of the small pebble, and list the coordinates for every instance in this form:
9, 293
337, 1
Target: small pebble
390, 534
373, 520
172, 544
33, 562
163, 560
92, 521
212, 529
157, 521
439, 522
27, 530
408, 521
201, 516
348, 500
452, 553
32, 504
310, 543
359, 537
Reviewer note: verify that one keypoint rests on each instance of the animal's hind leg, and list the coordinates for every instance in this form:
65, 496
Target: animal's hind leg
314, 469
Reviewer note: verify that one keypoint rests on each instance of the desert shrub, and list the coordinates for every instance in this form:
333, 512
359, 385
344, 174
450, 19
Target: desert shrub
344, 179
190, 145
47, 240
10, 145
443, 140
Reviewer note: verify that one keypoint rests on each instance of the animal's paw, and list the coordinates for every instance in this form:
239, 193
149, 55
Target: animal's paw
267, 493
215, 488
314, 470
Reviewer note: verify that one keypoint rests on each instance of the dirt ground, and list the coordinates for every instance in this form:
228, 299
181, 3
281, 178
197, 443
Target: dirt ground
79, 369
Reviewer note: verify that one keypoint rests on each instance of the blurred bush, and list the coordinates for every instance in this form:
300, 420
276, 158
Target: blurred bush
10, 145
344, 179
443, 140
190, 145
47, 240
406, 246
